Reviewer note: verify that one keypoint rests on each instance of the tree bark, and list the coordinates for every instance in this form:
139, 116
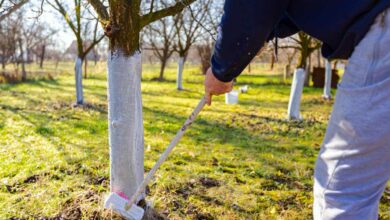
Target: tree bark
79, 80
272, 61
180, 67
286, 72
162, 69
126, 135
308, 70
319, 58
42, 56
24, 74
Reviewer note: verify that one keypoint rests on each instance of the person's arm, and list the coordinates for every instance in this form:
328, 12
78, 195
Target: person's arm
245, 27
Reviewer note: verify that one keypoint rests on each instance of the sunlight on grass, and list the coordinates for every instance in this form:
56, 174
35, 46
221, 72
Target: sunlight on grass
236, 162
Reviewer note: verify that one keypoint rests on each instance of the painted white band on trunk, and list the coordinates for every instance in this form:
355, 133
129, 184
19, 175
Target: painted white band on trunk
296, 94
79, 80
328, 80
126, 133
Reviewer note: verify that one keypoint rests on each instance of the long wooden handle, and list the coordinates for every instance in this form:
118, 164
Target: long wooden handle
165, 155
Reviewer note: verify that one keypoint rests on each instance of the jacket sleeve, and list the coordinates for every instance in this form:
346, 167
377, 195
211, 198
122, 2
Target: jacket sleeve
245, 26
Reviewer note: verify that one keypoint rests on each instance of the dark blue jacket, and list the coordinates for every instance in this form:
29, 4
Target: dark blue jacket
247, 24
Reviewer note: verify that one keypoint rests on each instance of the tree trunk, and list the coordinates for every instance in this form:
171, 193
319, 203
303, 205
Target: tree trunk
319, 58
286, 72
303, 58
162, 68
328, 80
126, 135
272, 61
308, 70
249, 68
179, 82
79, 81
95, 56
24, 74
293, 111
42, 56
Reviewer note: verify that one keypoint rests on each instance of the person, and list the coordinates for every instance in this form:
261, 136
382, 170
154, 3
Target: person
353, 165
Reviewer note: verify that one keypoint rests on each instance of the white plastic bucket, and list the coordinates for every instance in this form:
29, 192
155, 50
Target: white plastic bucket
231, 98
244, 89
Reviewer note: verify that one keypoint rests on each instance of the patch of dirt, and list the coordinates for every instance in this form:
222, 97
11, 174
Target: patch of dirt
215, 161
282, 179
238, 180
100, 180
286, 203
32, 179
210, 199
73, 208
238, 208
12, 189
386, 196
204, 216
150, 212
71, 213
196, 214
102, 108
209, 182
184, 191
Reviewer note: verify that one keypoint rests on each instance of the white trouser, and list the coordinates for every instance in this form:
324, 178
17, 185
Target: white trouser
353, 166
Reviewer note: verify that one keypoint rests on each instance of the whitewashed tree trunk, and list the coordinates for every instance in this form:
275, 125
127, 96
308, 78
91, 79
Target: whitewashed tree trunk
179, 80
328, 80
126, 133
79, 81
296, 94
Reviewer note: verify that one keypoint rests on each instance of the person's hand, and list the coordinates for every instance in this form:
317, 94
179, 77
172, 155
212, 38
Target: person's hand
213, 86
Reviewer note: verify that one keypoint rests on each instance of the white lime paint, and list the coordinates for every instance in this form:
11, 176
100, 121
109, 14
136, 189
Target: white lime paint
126, 132
296, 94
328, 80
79, 80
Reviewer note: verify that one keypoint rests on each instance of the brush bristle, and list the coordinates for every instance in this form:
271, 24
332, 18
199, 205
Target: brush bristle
116, 203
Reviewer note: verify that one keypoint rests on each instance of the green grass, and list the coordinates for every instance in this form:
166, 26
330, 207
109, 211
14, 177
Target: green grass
236, 162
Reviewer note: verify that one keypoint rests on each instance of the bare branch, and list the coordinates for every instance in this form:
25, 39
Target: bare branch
60, 8
169, 11
101, 10
93, 44
15, 7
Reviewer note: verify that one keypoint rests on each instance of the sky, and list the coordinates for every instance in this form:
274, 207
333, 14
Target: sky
64, 37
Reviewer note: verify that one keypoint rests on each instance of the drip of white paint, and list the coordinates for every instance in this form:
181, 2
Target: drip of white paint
79, 80
328, 80
296, 94
126, 133
179, 80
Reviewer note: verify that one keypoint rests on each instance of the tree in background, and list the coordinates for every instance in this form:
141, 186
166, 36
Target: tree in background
9, 30
123, 24
78, 22
205, 44
188, 29
306, 45
159, 36
7, 7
